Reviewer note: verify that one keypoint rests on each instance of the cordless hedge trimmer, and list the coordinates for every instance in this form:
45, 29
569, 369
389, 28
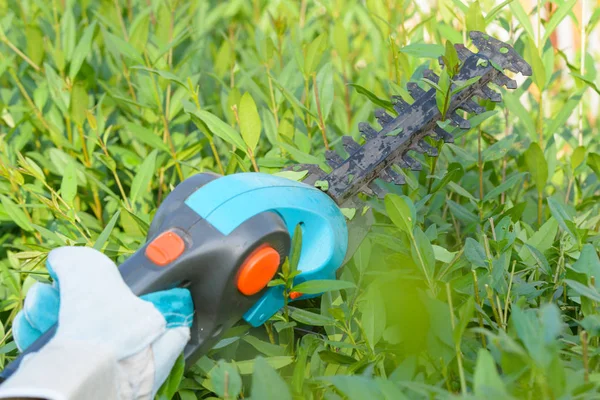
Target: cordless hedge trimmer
225, 238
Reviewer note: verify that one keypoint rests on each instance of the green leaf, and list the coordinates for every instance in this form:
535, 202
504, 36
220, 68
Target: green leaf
522, 17
510, 183
487, 382
336, 358
583, 290
349, 213
67, 31
532, 56
323, 185
451, 60
423, 50
16, 214
422, 253
146, 136
588, 264
250, 125
292, 175
562, 217
401, 211
296, 248
566, 109
79, 103
498, 149
266, 382
225, 379
443, 255
163, 74
514, 105
454, 174
462, 85
265, 348
374, 99
355, 387
248, 366
462, 212
310, 318
542, 240
474, 18
122, 47
219, 128
466, 314
564, 8
83, 49
35, 43
362, 256
491, 16
475, 253
143, 177
68, 186
59, 93
340, 39
539, 259
325, 87
171, 384
103, 237
593, 161
314, 53
537, 166
577, 158
321, 286
373, 315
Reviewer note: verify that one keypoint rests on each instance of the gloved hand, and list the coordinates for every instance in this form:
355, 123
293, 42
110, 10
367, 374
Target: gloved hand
110, 344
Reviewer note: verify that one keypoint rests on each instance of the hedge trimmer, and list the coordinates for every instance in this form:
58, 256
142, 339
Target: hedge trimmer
225, 238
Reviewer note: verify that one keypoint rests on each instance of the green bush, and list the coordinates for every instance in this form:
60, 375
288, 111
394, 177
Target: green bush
488, 291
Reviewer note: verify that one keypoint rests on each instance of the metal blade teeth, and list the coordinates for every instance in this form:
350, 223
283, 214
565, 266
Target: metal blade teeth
349, 144
463, 52
460, 121
440, 134
383, 118
417, 120
367, 190
503, 80
399, 104
333, 159
414, 90
367, 130
490, 94
409, 162
423, 147
391, 176
379, 192
471, 107
429, 74
500, 53
314, 172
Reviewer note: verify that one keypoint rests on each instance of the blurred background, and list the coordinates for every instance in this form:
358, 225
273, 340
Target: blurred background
105, 105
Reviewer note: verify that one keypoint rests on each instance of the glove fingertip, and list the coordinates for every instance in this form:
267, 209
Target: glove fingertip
23, 333
175, 305
41, 306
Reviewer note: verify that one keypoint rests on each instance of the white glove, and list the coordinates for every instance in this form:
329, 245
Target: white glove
110, 344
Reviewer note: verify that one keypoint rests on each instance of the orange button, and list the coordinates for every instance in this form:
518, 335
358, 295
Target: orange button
165, 248
295, 295
258, 270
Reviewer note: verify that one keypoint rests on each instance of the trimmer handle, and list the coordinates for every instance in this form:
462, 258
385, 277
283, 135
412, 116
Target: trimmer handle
224, 239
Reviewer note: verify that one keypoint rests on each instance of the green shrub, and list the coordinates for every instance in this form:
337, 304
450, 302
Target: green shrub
489, 291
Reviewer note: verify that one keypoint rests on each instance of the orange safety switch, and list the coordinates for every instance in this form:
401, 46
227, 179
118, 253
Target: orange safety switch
165, 249
258, 270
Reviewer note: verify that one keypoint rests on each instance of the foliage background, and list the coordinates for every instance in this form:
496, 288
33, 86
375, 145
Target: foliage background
488, 291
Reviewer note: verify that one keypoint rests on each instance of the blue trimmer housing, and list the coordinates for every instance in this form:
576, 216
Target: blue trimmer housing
203, 235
